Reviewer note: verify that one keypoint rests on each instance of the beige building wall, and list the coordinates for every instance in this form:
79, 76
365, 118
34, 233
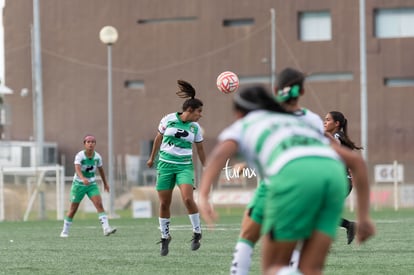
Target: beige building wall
162, 41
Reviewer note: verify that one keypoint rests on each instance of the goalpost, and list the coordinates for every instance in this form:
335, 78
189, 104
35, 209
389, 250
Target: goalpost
39, 173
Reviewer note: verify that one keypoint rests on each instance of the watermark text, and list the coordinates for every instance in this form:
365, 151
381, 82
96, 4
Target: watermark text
238, 171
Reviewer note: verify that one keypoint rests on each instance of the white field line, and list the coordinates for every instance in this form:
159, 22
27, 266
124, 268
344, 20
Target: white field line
411, 220
219, 227
234, 227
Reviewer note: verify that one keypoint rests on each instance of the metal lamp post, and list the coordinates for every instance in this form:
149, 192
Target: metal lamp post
109, 36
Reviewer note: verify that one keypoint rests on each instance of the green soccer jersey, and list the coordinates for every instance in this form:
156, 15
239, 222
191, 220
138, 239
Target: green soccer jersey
178, 138
88, 166
269, 140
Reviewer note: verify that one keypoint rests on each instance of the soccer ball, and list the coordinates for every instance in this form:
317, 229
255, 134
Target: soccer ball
227, 82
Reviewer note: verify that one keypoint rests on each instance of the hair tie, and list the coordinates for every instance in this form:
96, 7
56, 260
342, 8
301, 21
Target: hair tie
287, 93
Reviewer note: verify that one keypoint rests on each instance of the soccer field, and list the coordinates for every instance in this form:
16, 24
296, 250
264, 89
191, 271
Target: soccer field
35, 247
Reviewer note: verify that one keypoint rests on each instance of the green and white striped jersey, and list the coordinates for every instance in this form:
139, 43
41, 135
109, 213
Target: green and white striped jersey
178, 138
88, 166
269, 140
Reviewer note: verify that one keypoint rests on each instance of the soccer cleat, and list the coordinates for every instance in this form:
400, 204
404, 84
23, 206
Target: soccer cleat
350, 232
64, 234
195, 242
108, 231
164, 245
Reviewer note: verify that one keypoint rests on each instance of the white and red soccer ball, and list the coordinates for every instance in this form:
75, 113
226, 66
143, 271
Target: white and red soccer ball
227, 82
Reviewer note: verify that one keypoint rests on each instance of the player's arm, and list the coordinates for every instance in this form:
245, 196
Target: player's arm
200, 152
155, 148
103, 177
215, 163
356, 163
79, 173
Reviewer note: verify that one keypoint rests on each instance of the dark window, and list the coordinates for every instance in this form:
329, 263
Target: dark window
134, 84
238, 22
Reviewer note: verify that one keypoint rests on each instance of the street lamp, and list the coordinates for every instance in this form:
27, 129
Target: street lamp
108, 36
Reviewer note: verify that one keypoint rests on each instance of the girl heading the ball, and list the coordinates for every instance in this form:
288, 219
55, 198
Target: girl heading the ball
177, 132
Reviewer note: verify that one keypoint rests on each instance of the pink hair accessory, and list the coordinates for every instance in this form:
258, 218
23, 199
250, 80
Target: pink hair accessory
89, 138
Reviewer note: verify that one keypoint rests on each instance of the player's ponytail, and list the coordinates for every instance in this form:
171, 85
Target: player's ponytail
256, 98
290, 83
186, 90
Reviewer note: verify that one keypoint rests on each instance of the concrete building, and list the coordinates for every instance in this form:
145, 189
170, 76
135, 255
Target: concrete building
162, 41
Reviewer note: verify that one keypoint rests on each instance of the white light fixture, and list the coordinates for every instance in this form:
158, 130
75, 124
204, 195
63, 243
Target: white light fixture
108, 35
